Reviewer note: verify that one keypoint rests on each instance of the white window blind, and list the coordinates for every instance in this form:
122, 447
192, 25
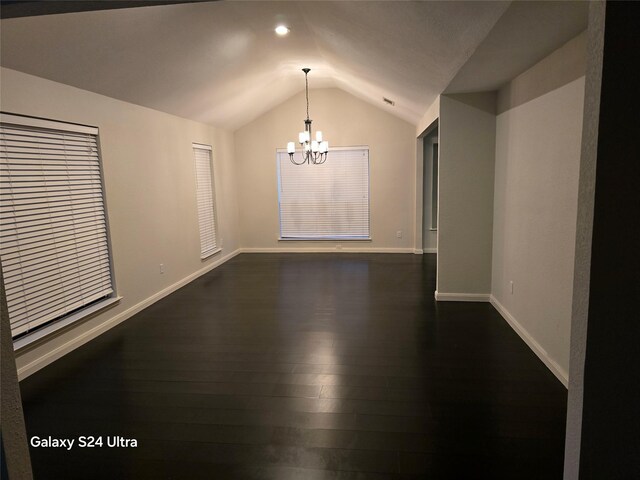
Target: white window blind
327, 201
205, 194
53, 233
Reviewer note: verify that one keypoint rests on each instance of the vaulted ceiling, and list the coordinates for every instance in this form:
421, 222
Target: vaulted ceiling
221, 63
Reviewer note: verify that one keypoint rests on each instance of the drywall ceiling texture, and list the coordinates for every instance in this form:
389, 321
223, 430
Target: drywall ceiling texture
221, 63
524, 35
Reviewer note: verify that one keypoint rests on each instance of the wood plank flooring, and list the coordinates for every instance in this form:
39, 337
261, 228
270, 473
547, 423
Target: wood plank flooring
304, 366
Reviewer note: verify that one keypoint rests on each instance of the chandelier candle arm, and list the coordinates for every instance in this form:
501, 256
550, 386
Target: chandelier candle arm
313, 151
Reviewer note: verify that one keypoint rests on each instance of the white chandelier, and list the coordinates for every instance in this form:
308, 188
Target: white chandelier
313, 151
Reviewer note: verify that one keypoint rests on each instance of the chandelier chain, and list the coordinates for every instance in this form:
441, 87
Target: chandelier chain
306, 83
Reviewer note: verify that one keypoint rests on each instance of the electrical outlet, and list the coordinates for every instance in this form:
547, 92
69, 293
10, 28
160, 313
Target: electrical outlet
162, 268
399, 234
511, 286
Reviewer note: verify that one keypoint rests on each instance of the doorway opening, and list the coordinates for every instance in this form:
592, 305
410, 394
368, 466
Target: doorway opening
430, 192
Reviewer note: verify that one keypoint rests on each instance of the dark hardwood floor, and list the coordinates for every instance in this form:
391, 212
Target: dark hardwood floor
303, 366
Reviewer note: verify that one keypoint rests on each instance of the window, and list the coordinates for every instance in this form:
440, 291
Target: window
327, 201
54, 245
205, 195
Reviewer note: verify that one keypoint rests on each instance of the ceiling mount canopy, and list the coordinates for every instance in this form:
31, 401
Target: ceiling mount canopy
313, 151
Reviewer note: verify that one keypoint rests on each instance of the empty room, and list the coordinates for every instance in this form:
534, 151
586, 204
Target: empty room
319, 240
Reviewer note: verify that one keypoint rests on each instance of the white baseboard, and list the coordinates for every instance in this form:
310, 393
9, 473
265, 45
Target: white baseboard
418, 251
542, 354
325, 250
461, 297
51, 356
430, 250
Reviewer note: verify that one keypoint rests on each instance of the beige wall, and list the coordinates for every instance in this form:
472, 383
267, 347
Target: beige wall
345, 121
536, 196
465, 196
564, 65
150, 191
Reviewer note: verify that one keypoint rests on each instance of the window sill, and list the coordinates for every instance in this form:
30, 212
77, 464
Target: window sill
28, 339
326, 239
210, 254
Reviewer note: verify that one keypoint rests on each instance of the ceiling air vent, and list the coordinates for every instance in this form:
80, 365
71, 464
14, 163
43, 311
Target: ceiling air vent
390, 102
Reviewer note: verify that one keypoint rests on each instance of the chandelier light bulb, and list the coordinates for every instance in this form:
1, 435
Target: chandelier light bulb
291, 147
319, 136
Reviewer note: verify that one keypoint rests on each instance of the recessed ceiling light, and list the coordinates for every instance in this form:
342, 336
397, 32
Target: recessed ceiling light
282, 30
